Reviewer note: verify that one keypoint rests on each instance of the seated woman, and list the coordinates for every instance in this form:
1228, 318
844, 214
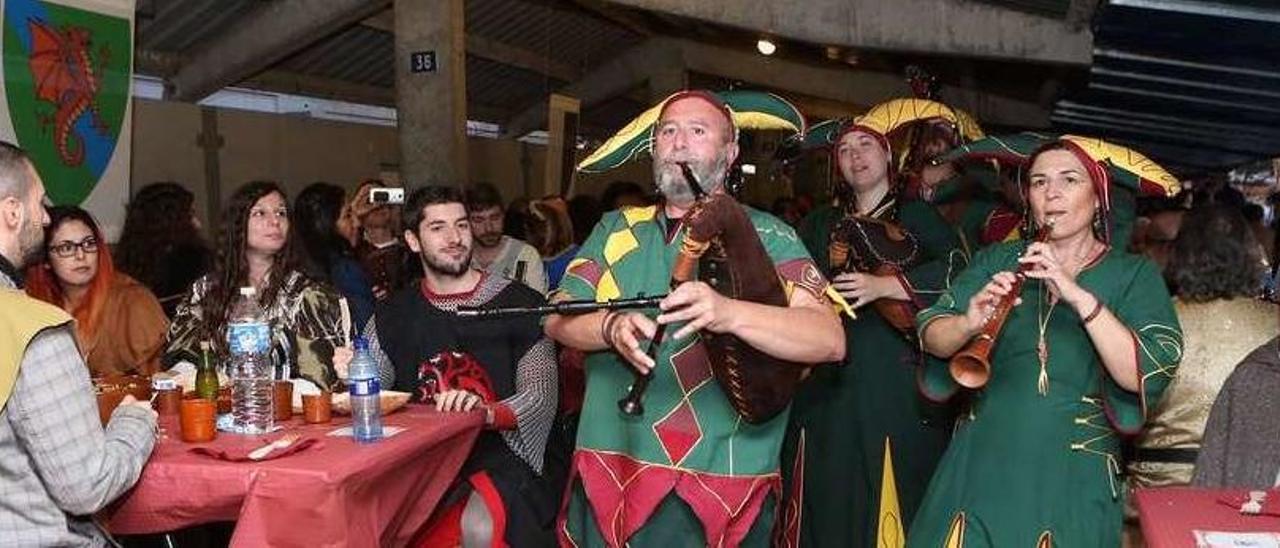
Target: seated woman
119, 323
257, 248
1215, 273
1089, 346
327, 255
160, 245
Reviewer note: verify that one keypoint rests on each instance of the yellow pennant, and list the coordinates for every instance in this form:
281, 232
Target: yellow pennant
889, 531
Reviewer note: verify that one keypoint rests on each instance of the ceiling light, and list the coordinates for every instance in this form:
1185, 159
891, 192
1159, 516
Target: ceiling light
766, 46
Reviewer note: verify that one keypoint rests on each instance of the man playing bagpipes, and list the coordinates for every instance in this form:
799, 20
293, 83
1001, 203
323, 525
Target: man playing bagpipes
692, 460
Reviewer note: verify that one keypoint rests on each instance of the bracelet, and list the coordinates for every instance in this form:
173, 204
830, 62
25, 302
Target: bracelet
1097, 309
606, 333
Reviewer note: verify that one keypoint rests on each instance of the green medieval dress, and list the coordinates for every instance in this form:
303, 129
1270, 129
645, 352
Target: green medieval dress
845, 416
1031, 469
689, 471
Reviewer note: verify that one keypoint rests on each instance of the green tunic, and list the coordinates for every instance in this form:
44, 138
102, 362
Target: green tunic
689, 467
1026, 469
846, 415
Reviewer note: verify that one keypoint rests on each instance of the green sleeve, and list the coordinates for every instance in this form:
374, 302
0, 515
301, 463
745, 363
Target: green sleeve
934, 378
1146, 309
583, 273
941, 253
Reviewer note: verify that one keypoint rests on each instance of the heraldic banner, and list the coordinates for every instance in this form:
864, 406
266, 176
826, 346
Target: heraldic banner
64, 98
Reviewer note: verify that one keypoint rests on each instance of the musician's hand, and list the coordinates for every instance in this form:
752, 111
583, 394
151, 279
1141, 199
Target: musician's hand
627, 331
860, 289
983, 303
457, 400
700, 305
1044, 264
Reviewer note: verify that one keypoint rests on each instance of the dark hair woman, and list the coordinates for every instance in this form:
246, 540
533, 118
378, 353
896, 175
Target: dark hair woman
119, 324
1215, 273
257, 248
327, 255
1084, 355
160, 245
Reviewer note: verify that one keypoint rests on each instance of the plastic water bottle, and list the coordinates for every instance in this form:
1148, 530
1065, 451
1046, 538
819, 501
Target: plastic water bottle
250, 367
366, 413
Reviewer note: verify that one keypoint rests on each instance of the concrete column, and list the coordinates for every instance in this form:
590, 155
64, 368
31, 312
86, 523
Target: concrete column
431, 106
210, 142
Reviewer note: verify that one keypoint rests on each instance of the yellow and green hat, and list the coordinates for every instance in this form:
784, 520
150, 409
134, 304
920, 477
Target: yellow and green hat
888, 116
745, 110
1111, 166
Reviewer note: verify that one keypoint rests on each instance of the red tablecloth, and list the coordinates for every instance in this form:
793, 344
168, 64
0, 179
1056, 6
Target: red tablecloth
336, 493
1169, 515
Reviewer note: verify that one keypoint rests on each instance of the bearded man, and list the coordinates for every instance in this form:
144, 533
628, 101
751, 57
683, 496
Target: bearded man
688, 471
505, 367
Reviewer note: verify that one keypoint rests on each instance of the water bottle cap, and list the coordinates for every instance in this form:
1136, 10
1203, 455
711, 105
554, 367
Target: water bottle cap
248, 291
360, 343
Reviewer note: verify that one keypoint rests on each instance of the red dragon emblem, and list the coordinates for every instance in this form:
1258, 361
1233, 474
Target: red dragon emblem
450, 370
65, 76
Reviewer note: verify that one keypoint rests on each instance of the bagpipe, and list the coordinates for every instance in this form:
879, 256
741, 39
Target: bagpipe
720, 248
859, 243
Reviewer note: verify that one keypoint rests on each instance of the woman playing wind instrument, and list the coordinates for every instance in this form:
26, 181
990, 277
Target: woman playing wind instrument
1088, 348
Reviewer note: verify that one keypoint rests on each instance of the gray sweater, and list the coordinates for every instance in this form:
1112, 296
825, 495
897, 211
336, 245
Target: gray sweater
1241, 446
58, 466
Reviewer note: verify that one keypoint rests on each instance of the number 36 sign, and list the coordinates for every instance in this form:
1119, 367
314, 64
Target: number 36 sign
422, 61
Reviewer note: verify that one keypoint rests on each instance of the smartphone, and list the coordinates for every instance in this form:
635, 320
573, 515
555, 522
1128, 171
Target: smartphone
386, 195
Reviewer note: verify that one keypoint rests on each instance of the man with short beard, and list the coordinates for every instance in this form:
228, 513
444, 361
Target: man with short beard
688, 471
505, 367
57, 464
496, 252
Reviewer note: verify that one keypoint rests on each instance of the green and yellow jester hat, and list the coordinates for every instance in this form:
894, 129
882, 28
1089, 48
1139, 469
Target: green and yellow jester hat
885, 120
744, 110
1112, 167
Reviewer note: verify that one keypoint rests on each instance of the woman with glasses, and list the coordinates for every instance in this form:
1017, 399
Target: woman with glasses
257, 248
119, 324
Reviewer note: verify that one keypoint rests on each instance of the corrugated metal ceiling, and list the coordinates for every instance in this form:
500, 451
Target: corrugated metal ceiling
556, 30
1195, 84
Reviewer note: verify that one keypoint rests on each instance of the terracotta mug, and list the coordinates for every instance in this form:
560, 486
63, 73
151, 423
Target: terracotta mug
283, 400
197, 418
317, 408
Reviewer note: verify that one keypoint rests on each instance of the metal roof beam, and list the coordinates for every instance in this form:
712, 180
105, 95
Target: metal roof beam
1184, 98
938, 27
1182, 63
1212, 86
1203, 8
1258, 130
275, 31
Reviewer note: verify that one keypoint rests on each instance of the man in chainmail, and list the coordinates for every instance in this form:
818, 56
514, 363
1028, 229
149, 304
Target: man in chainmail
505, 367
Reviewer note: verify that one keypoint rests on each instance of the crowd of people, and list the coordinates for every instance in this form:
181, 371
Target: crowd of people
1126, 303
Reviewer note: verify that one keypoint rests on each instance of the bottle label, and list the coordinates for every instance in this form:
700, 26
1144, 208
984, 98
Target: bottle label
248, 338
365, 387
